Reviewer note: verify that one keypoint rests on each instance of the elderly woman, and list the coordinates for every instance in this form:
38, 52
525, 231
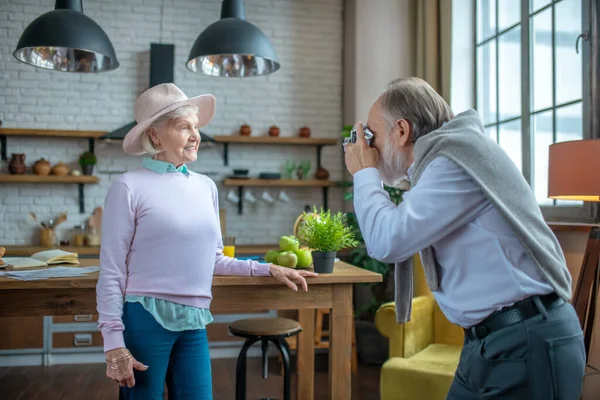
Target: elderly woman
161, 245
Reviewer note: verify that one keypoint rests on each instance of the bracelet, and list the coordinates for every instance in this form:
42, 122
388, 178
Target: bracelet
114, 360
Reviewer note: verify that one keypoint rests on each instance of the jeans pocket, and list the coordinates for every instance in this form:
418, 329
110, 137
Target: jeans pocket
567, 364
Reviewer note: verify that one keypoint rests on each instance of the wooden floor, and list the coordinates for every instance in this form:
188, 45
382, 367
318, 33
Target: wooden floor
89, 382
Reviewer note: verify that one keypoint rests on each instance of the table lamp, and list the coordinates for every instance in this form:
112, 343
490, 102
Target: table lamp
574, 174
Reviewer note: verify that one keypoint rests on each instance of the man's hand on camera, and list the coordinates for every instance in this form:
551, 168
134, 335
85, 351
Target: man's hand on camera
359, 155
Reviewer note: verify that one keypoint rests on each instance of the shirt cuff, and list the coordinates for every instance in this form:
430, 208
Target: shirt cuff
113, 340
262, 269
367, 176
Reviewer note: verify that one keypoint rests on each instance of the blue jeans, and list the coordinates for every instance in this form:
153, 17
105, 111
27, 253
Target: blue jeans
181, 359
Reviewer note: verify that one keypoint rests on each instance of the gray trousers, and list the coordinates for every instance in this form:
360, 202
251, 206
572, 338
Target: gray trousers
541, 358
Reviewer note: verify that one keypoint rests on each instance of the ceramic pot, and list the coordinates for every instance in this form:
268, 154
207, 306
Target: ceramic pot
304, 132
60, 169
17, 164
41, 167
274, 131
87, 169
323, 261
322, 173
245, 130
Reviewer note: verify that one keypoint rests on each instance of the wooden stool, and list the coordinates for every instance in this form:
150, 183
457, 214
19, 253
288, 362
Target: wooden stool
273, 330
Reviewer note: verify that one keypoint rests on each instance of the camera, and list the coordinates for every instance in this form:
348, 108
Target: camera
368, 136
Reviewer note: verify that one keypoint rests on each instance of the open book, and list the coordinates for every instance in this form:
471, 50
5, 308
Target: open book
40, 259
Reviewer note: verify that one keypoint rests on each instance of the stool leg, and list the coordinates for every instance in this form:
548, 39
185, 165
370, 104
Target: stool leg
285, 355
265, 349
240, 371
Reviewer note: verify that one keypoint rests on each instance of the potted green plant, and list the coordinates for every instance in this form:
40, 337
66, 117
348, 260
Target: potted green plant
87, 160
325, 234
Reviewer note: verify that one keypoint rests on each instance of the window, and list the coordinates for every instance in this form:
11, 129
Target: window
530, 84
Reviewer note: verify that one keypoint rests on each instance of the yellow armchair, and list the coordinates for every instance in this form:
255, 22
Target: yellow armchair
424, 352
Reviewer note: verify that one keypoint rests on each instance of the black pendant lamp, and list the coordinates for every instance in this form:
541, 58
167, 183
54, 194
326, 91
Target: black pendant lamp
66, 40
232, 46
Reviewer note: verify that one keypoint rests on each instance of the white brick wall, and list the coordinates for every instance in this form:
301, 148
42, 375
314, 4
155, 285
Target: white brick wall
307, 90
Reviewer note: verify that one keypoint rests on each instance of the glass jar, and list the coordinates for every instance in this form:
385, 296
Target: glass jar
92, 237
79, 235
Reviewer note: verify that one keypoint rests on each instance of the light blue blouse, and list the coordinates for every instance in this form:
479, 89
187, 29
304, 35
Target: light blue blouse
171, 316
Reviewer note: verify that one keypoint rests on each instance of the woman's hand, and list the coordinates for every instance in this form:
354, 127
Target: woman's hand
290, 277
120, 364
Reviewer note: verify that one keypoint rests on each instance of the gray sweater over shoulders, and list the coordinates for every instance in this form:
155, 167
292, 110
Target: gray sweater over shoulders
463, 140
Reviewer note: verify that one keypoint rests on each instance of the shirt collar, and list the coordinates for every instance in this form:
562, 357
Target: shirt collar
409, 172
162, 167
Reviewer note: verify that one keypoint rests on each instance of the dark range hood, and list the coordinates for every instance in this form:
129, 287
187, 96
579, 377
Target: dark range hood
162, 62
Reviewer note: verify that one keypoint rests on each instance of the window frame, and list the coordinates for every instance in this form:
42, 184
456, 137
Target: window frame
588, 212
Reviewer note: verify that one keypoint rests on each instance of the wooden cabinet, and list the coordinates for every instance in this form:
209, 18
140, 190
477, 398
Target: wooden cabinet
80, 318
71, 340
20, 333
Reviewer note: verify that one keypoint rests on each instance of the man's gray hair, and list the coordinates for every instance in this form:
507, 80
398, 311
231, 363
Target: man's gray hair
415, 100
161, 121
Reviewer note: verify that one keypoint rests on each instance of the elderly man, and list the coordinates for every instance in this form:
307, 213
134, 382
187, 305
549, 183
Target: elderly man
492, 263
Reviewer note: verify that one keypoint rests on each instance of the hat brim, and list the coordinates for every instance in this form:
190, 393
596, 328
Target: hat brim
206, 104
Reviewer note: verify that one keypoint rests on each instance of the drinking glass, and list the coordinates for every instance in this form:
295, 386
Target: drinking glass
229, 246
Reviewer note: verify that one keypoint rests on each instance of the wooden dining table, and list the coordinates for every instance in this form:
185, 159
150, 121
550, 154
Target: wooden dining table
231, 294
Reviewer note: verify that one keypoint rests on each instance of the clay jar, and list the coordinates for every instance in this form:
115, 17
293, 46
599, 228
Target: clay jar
245, 130
17, 164
60, 169
304, 132
41, 167
321, 174
274, 131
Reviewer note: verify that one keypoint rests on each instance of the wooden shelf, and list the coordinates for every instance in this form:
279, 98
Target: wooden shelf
276, 140
51, 133
80, 181
56, 133
28, 178
226, 140
278, 182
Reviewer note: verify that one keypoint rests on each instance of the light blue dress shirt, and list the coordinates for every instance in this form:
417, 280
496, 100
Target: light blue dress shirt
482, 265
171, 316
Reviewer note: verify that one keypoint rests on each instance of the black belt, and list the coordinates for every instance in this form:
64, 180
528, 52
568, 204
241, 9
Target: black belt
518, 312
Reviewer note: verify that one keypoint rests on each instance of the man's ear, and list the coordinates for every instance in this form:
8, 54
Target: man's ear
404, 132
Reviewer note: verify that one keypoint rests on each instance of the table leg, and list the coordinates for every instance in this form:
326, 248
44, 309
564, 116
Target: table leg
306, 354
340, 343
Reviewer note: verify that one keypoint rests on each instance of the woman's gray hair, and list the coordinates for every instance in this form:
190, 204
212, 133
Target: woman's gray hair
160, 122
415, 100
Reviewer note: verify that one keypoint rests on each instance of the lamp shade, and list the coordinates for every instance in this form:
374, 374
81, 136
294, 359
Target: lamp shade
66, 40
232, 47
574, 170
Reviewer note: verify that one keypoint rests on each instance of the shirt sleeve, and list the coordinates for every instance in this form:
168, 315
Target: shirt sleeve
444, 199
225, 265
118, 228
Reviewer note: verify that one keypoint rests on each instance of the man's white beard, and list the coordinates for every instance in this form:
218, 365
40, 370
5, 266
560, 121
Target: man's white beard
392, 166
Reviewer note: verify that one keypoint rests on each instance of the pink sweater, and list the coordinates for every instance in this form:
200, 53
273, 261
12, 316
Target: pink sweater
161, 237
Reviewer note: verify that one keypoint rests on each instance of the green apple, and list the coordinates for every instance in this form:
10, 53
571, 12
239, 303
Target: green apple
287, 259
271, 256
304, 258
289, 243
